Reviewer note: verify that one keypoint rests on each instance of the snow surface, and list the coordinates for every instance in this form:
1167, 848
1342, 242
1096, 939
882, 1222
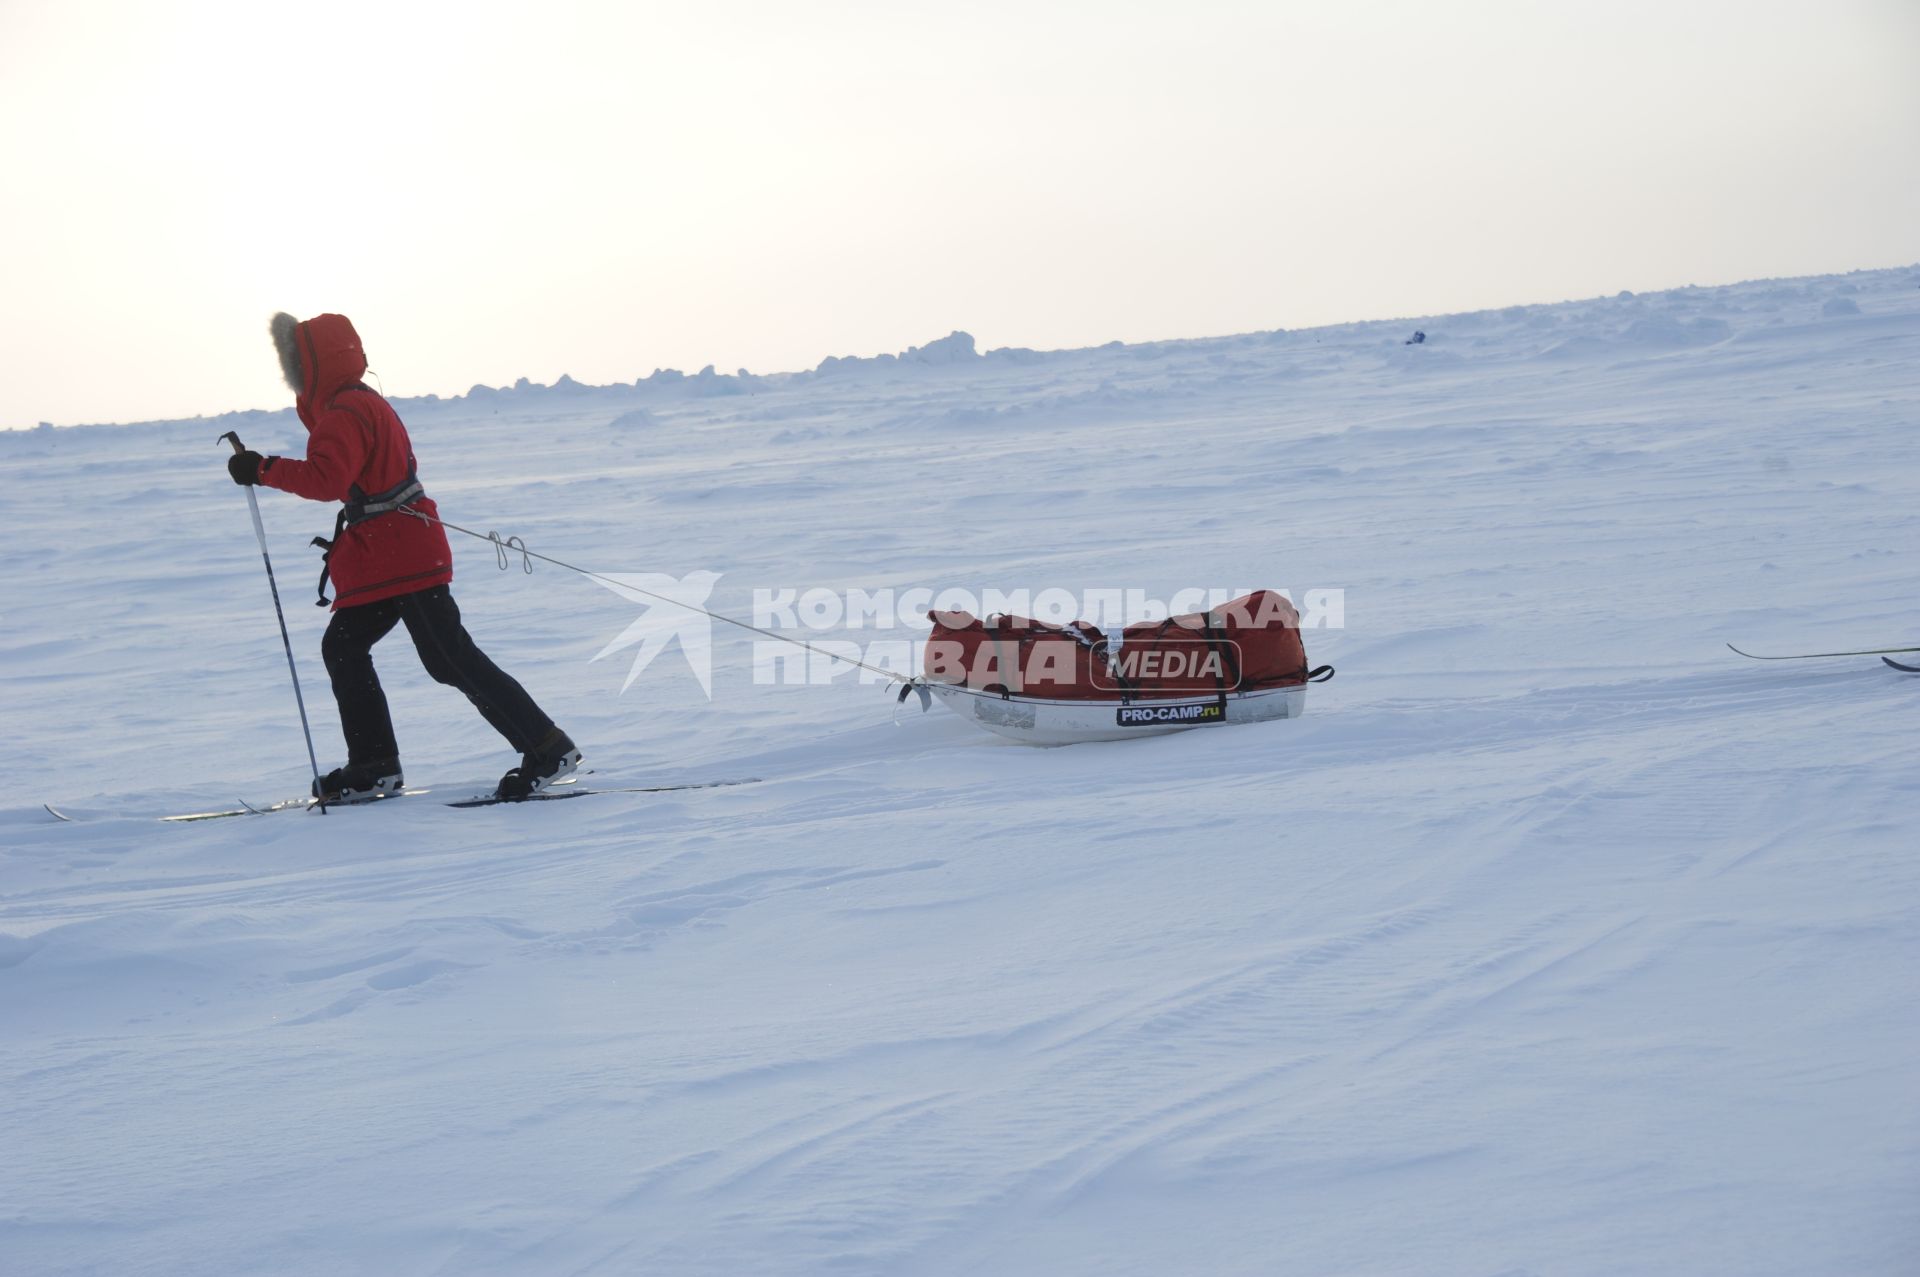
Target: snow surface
1554, 939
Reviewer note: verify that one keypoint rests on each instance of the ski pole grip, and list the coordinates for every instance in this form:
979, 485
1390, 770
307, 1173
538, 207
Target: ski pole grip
233, 437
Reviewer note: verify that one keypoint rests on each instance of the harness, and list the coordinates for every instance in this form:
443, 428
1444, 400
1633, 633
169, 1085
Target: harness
358, 509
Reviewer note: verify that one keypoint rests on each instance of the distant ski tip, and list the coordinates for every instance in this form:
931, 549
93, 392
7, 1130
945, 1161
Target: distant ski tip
1815, 656
57, 814
1904, 669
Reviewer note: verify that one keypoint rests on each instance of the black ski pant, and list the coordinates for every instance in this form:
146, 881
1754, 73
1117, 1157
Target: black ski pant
446, 649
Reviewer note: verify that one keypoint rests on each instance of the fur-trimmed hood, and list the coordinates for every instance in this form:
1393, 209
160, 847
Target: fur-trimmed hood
319, 357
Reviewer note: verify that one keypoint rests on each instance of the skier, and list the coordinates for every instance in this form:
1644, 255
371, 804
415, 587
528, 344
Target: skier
387, 567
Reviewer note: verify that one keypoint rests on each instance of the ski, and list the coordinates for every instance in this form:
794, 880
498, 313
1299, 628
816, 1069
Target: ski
1905, 669
1809, 656
244, 809
72, 817
563, 789
547, 795
291, 804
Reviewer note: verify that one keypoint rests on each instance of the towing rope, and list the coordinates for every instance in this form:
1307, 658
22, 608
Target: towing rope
505, 548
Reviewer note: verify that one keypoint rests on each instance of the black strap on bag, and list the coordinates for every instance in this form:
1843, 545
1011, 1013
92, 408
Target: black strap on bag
1100, 646
1217, 644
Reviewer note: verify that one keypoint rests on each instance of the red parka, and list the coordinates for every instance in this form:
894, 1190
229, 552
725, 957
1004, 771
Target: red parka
355, 441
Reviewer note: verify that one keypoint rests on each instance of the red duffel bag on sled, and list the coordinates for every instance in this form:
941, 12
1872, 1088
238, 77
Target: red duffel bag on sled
1016, 655
1055, 685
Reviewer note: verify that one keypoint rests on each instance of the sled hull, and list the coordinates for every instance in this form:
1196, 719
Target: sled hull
1033, 721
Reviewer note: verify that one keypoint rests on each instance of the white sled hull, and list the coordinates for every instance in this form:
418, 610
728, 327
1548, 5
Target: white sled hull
1032, 721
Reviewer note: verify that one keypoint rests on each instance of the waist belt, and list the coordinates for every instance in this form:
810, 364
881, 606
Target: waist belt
360, 507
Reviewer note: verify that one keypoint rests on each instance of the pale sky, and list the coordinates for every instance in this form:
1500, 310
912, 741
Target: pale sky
495, 191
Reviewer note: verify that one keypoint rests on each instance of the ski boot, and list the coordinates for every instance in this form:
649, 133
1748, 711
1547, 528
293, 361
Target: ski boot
360, 782
555, 758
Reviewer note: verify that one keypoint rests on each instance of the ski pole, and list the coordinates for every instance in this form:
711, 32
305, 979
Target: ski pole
260, 531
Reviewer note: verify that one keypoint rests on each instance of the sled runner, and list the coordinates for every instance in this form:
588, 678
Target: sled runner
1033, 720
1047, 684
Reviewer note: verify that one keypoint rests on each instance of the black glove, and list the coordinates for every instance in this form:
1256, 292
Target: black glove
244, 467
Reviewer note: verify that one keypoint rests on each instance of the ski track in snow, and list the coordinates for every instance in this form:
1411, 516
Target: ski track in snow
1554, 939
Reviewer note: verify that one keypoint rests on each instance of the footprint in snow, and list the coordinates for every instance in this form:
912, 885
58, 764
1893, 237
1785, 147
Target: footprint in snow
393, 980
